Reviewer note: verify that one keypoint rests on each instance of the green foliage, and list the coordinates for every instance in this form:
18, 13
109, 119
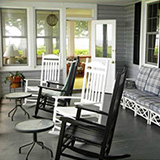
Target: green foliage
81, 28
13, 75
56, 51
81, 52
42, 49
99, 51
156, 50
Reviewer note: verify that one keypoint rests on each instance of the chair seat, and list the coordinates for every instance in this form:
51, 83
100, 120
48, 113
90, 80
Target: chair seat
50, 93
71, 111
33, 88
89, 134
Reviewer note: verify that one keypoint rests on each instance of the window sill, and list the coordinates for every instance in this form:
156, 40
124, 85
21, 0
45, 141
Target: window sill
19, 68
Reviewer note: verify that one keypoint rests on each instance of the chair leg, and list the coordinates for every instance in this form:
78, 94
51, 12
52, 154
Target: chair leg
38, 102
60, 142
45, 101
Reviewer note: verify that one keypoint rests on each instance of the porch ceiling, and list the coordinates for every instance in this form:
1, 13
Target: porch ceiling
109, 2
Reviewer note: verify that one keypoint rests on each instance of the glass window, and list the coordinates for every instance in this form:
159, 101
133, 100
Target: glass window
78, 38
48, 33
14, 36
104, 40
152, 35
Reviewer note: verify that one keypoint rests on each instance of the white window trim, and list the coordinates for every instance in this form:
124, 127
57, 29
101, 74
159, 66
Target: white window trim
31, 29
143, 34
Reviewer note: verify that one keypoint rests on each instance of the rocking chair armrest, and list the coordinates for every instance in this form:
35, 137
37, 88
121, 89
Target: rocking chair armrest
91, 107
55, 83
50, 88
78, 122
32, 80
66, 97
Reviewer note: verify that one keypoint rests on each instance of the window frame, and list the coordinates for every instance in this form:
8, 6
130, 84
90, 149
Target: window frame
31, 30
150, 33
24, 36
143, 36
46, 37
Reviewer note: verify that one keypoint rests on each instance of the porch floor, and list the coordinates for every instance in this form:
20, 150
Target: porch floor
132, 136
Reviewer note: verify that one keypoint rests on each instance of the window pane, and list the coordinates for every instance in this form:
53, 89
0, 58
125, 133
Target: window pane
103, 40
152, 35
14, 22
77, 39
43, 46
81, 38
153, 20
152, 50
43, 28
48, 34
14, 36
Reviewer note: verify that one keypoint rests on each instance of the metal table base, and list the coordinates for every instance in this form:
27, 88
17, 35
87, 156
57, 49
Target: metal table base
19, 103
32, 145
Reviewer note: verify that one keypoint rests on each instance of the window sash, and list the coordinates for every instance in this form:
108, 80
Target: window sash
16, 36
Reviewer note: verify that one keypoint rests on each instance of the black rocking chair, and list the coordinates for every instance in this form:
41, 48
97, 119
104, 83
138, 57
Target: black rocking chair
45, 101
90, 133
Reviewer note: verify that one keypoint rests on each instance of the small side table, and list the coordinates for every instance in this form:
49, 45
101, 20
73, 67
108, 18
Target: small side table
34, 126
18, 96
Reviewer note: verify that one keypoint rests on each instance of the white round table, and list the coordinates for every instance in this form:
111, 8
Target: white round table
18, 96
34, 126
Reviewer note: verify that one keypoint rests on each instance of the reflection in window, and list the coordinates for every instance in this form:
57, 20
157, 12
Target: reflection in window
48, 33
152, 35
14, 36
104, 40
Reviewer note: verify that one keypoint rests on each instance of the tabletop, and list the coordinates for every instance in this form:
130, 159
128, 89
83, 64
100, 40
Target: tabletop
34, 125
18, 95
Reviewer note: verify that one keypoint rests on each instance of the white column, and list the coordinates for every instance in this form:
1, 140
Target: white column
71, 46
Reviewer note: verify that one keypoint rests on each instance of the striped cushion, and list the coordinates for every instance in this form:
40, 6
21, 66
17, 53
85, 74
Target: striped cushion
153, 82
151, 102
142, 77
133, 94
145, 101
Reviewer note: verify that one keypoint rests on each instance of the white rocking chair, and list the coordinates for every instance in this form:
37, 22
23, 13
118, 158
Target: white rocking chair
50, 71
93, 91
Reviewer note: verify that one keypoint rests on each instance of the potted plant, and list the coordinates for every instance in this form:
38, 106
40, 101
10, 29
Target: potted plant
15, 79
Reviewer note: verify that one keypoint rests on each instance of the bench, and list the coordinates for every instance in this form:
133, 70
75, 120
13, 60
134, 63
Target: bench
142, 96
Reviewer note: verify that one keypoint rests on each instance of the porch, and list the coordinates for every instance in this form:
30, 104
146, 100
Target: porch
132, 136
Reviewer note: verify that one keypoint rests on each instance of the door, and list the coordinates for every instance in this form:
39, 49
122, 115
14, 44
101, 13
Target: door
104, 47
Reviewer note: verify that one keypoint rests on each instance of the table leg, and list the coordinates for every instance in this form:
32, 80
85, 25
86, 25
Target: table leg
11, 111
25, 145
33, 143
25, 111
14, 109
18, 103
21, 106
30, 150
41, 143
43, 146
